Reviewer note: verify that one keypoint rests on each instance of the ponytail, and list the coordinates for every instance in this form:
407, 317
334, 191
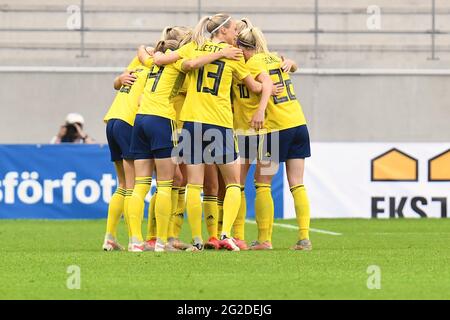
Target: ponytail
187, 38
198, 35
163, 45
244, 23
253, 38
165, 33
260, 41
210, 25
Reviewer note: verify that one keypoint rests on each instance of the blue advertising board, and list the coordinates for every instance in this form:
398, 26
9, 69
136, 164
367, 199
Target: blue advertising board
71, 181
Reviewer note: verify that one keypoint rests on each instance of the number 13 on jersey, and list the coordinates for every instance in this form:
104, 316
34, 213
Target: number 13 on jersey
216, 76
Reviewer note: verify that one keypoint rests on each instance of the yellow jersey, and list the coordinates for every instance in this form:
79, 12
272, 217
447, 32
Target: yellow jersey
163, 85
208, 93
282, 112
126, 102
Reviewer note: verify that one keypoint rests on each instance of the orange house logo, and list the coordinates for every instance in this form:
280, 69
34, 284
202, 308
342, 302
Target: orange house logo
439, 167
394, 165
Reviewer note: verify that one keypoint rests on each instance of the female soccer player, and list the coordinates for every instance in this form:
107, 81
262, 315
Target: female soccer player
239, 223
183, 34
287, 139
154, 137
119, 122
208, 117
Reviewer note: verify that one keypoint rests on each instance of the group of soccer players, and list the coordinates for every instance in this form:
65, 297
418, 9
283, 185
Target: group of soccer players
195, 111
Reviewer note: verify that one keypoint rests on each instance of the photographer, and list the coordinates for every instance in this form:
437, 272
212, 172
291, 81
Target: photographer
72, 131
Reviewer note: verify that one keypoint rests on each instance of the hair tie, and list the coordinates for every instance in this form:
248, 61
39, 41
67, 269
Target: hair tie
221, 25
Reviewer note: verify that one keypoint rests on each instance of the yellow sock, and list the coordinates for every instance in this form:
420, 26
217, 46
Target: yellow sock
239, 223
271, 226
194, 209
179, 217
219, 217
172, 220
126, 207
115, 209
231, 205
163, 208
301, 210
136, 206
210, 212
151, 220
264, 210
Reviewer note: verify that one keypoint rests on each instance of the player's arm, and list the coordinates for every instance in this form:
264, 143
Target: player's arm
144, 54
256, 87
257, 121
228, 53
160, 58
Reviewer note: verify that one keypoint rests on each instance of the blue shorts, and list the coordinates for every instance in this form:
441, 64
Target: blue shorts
248, 147
279, 146
118, 133
207, 143
153, 137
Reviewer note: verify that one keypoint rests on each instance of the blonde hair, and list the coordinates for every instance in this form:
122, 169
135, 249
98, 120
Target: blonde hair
175, 33
253, 38
163, 45
210, 25
244, 23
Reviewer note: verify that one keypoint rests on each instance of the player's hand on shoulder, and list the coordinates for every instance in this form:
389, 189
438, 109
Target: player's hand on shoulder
232, 53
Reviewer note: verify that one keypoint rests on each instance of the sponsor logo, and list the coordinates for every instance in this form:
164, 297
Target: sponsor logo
439, 167
398, 166
26, 187
394, 165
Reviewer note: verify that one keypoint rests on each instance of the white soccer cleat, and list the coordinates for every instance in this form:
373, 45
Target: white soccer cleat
136, 247
111, 244
159, 246
228, 243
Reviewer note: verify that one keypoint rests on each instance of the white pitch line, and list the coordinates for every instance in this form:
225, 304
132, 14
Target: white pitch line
290, 226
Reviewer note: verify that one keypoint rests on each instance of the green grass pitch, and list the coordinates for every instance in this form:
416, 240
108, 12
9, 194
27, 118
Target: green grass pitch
413, 257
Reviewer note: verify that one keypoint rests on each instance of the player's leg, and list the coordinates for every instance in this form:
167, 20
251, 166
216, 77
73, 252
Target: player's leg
248, 150
118, 134
231, 204
294, 172
195, 178
295, 167
143, 181
178, 206
239, 223
210, 208
143, 168
165, 170
128, 168
191, 147
264, 207
220, 198
150, 238
115, 209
